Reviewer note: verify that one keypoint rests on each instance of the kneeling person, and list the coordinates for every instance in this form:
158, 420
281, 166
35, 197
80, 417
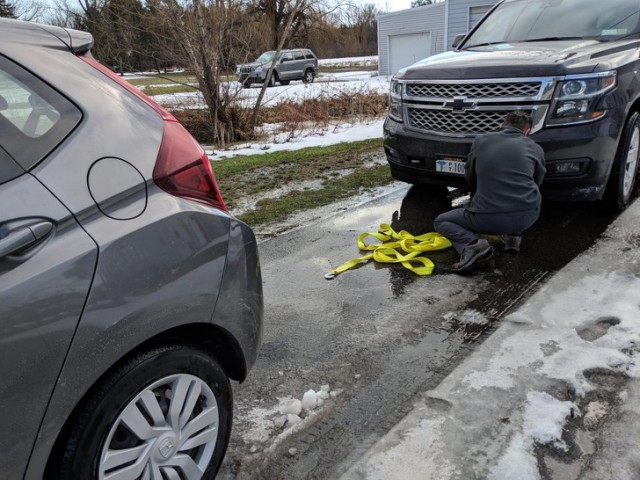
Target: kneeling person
504, 171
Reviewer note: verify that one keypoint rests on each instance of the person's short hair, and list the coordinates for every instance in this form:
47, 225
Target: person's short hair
518, 119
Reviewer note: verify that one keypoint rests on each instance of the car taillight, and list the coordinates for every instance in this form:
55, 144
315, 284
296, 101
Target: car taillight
183, 169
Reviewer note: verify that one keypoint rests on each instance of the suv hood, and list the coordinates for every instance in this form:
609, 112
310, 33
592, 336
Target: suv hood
253, 64
509, 60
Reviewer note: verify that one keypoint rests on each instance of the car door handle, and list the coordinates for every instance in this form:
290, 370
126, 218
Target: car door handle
24, 237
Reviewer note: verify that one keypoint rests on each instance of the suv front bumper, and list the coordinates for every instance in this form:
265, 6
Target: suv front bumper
589, 148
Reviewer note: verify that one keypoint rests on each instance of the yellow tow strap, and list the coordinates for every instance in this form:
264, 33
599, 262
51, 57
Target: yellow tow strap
396, 247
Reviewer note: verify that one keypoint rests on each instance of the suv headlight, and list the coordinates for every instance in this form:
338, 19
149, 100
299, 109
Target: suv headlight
395, 100
576, 98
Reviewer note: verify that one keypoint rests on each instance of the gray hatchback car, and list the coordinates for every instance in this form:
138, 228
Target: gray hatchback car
129, 296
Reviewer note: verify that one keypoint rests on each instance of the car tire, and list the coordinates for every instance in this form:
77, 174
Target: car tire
166, 410
285, 82
246, 84
625, 167
308, 76
273, 80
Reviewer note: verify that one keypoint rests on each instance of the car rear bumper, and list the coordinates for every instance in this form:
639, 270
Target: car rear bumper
591, 147
239, 309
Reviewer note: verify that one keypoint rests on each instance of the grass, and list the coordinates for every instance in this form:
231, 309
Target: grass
163, 79
169, 83
168, 90
272, 210
340, 171
315, 158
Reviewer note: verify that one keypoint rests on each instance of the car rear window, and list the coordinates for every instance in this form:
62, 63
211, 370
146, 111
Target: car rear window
34, 118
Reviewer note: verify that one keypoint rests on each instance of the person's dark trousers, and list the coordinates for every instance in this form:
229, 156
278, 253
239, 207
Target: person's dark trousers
460, 225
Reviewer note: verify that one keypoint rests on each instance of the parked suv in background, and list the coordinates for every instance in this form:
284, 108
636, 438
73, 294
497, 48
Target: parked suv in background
129, 296
572, 64
298, 64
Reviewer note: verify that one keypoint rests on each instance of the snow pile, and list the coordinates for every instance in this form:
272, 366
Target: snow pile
466, 317
544, 418
348, 61
329, 86
291, 412
523, 387
314, 137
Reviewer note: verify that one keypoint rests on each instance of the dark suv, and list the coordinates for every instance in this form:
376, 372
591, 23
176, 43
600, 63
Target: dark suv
129, 296
571, 64
299, 64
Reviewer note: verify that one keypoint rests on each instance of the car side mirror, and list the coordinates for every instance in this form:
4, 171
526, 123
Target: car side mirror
457, 40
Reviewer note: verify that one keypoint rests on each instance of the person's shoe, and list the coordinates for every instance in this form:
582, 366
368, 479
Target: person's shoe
479, 251
511, 243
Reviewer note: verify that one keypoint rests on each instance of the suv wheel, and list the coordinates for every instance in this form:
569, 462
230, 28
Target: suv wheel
273, 79
308, 76
166, 413
285, 82
625, 167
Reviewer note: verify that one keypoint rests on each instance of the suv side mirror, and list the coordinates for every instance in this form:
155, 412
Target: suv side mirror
457, 40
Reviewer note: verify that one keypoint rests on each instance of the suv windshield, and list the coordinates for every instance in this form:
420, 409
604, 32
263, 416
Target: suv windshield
265, 57
530, 20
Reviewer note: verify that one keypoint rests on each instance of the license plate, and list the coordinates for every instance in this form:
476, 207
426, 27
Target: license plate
449, 164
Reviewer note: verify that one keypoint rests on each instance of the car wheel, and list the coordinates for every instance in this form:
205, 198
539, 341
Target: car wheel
273, 79
165, 414
246, 84
308, 76
625, 167
285, 82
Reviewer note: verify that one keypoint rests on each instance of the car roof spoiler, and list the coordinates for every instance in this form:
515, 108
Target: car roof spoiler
78, 42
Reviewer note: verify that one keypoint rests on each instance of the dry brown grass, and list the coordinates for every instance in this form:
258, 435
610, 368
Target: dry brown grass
291, 117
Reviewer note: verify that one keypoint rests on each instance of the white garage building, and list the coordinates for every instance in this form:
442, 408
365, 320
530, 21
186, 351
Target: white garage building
406, 36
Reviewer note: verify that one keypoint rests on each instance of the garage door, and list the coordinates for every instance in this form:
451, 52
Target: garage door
405, 50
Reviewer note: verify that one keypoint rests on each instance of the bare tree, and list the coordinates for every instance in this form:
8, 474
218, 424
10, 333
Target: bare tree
201, 31
297, 7
31, 10
7, 9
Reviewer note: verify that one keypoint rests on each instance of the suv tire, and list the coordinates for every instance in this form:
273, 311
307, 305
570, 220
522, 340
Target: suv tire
308, 76
285, 82
273, 80
169, 408
625, 165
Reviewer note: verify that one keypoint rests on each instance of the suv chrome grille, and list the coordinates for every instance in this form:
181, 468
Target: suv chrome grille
467, 123
474, 90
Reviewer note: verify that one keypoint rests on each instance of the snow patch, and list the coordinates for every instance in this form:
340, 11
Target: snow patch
288, 416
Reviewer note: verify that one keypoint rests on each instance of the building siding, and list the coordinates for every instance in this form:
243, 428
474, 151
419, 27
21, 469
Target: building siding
430, 19
458, 21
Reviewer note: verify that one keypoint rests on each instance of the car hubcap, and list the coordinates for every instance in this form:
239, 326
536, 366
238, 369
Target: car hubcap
168, 431
632, 161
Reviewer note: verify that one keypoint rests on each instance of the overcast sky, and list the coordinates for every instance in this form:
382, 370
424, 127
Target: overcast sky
390, 5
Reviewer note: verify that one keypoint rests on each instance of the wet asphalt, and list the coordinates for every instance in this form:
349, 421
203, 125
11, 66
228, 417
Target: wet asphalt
377, 333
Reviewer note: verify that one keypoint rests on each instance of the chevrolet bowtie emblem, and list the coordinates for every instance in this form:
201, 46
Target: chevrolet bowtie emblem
459, 104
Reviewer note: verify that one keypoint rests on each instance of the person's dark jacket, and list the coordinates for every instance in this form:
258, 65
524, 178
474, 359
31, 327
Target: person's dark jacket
504, 170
